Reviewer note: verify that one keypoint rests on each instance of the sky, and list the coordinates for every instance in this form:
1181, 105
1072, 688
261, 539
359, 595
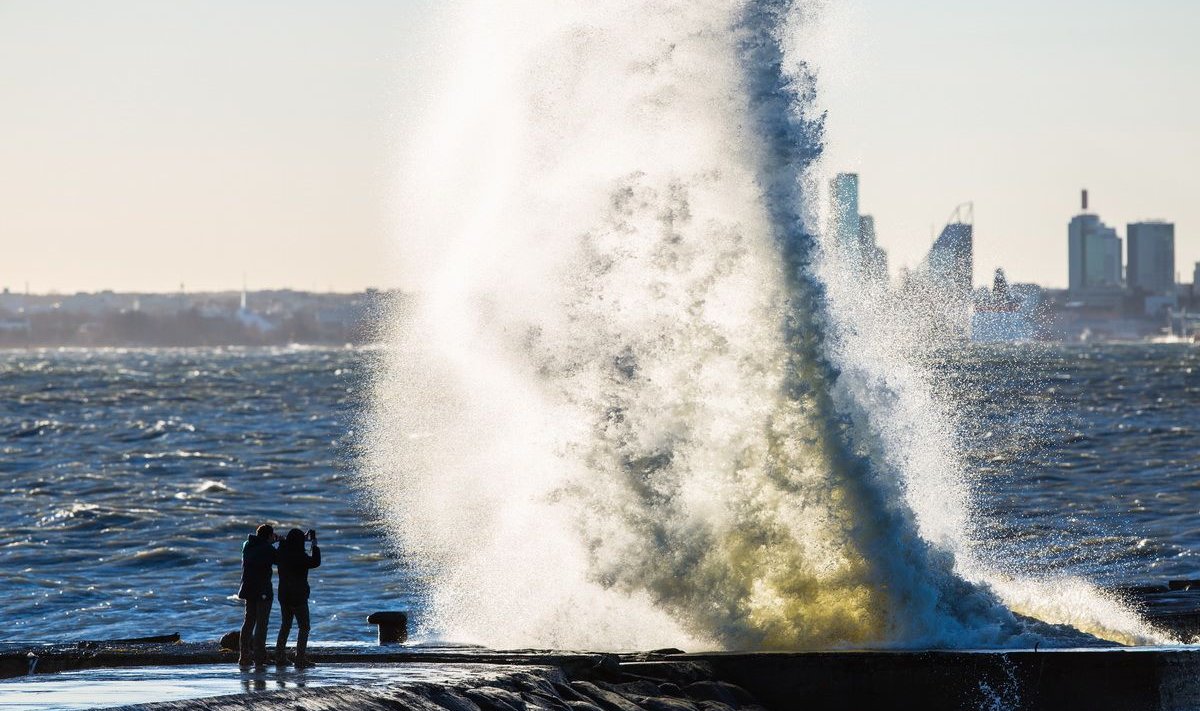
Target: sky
146, 145
1016, 106
149, 145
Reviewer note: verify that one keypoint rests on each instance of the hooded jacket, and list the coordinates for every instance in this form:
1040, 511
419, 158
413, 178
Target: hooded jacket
258, 556
294, 565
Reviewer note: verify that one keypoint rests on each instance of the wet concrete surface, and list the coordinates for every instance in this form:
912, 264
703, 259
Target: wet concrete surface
18, 660
181, 676
473, 679
100, 688
428, 686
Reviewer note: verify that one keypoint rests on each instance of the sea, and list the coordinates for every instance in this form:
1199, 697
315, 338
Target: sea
131, 477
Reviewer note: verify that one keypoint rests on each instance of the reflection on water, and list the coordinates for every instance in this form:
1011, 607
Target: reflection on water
98, 688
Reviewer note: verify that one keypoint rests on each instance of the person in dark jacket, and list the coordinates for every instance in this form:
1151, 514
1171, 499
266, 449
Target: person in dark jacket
258, 558
294, 565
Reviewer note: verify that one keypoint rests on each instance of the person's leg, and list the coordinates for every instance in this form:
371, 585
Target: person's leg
302, 633
247, 635
286, 613
260, 631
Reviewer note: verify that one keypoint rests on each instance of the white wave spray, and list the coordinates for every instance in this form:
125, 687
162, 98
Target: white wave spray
629, 413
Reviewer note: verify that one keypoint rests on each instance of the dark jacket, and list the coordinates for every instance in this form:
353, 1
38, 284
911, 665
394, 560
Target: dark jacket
258, 556
294, 565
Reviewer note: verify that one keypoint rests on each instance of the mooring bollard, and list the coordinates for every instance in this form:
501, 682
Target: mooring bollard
393, 626
232, 641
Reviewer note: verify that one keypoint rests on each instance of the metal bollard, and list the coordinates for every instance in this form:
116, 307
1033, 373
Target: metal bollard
393, 626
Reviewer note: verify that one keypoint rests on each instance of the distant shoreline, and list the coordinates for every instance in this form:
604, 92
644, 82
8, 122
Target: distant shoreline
275, 318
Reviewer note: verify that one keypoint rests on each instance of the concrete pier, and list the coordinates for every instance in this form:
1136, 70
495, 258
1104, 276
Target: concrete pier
1096, 679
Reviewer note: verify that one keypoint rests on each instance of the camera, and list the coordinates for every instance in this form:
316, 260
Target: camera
312, 534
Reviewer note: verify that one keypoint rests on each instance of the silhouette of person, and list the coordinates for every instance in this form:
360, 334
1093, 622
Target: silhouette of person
258, 559
294, 565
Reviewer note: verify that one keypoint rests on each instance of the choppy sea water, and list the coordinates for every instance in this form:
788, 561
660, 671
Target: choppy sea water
130, 478
1084, 460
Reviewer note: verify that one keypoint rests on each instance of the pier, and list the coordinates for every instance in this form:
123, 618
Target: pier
1121, 679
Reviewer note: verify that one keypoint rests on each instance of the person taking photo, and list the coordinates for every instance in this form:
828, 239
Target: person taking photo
258, 559
294, 564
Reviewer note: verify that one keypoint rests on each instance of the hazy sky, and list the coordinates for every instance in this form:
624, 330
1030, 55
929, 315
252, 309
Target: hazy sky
148, 143
145, 144
1016, 105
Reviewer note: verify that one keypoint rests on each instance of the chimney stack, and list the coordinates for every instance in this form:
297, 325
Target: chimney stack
1085, 199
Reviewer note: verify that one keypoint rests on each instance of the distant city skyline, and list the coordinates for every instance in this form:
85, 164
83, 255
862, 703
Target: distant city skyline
1014, 106
146, 145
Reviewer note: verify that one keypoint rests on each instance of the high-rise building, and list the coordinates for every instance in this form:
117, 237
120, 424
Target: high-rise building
854, 233
843, 198
939, 291
950, 264
1094, 254
873, 258
1151, 266
1095, 264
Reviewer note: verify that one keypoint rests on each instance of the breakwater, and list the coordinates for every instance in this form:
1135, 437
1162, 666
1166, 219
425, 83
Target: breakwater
473, 679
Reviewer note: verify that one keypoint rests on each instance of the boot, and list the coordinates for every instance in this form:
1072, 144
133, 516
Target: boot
280, 658
304, 663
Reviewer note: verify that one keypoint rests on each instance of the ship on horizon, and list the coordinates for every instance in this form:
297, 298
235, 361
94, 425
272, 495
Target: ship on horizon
1003, 314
